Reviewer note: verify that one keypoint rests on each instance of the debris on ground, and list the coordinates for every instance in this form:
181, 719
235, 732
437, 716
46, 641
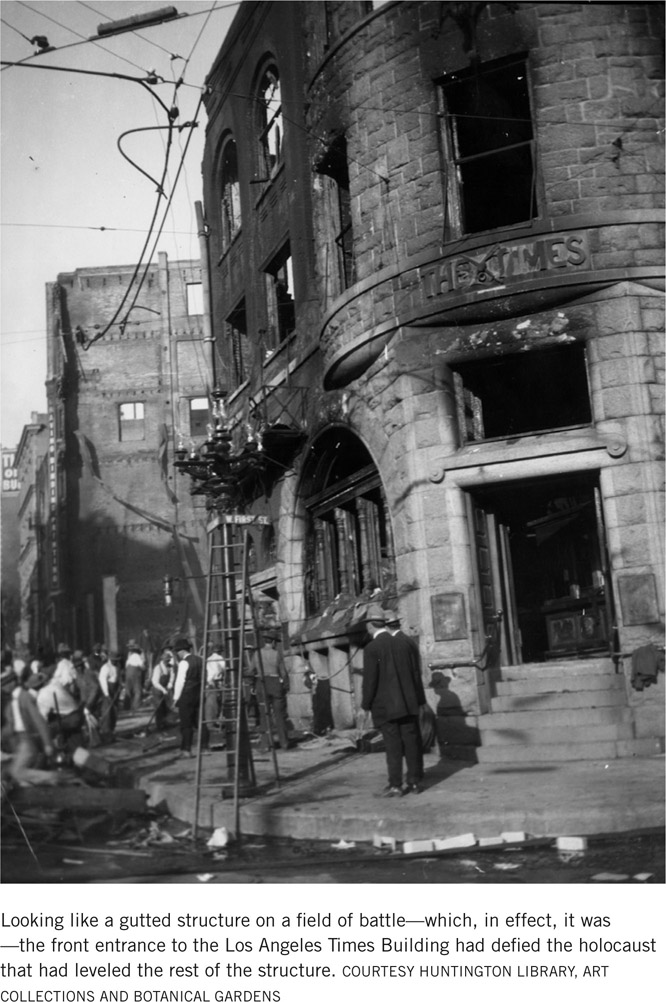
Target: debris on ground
342, 844
384, 842
219, 839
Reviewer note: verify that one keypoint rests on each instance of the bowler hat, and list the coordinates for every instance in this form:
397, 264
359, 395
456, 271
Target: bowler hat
373, 614
64, 649
182, 644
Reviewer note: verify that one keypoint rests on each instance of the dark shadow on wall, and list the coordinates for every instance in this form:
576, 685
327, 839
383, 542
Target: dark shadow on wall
139, 556
456, 739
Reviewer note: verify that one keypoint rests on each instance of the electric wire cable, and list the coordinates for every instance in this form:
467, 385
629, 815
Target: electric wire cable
92, 41
78, 33
126, 294
157, 237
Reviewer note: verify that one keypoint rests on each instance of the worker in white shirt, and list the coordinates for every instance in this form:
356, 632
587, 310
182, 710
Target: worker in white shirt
109, 683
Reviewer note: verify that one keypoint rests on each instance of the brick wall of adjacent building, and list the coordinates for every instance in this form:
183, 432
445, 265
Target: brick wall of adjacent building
121, 501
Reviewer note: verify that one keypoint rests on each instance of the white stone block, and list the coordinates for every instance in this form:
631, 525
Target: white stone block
455, 842
571, 843
490, 841
418, 845
513, 836
383, 842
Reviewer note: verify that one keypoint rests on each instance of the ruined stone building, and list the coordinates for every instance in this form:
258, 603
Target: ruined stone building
123, 544
436, 256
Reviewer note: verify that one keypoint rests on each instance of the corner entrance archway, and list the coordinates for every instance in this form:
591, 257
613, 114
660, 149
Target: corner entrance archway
542, 560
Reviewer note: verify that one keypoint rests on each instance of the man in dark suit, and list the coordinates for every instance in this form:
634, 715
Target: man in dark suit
187, 696
393, 692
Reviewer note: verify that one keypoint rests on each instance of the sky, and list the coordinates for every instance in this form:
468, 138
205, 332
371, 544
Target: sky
68, 199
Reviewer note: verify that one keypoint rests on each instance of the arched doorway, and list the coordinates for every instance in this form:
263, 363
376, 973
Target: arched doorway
347, 555
349, 543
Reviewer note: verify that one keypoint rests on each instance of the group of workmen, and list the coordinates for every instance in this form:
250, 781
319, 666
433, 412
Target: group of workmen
53, 705
48, 710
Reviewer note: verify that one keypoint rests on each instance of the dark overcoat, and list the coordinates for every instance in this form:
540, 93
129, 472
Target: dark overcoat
392, 685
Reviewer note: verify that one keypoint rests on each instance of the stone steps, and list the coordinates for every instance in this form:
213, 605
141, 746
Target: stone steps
524, 755
572, 683
542, 701
578, 718
564, 734
569, 710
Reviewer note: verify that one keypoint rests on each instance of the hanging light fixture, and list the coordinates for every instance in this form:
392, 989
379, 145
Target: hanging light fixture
226, 469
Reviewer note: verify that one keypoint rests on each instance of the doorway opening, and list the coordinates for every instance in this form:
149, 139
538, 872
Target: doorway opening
542, 559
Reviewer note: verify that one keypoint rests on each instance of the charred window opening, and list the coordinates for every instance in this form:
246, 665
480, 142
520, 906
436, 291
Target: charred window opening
335, 165
490, 146
280, 297
523, 393
230, 208
236, 324
349, 548
271, 128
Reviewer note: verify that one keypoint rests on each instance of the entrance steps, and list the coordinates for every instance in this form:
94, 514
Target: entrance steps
559, 711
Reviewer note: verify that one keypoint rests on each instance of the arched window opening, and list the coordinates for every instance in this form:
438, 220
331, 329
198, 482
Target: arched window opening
270, 103
230, 202
349, 545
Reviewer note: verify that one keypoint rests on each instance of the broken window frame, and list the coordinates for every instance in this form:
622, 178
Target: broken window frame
460, 165
349, 549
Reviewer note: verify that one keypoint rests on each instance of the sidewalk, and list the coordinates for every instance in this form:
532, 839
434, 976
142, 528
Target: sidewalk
329, 791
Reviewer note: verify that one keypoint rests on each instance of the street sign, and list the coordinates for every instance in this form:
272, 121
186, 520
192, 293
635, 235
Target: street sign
234, 518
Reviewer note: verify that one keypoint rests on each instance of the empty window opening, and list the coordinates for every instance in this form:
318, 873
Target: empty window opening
199, 416
517, 394
270, 137
131, 422
230, 203
195, 303
334, 165
236, 326
490, 146
280, 298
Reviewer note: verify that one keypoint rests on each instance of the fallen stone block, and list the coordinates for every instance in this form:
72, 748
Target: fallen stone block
384, 842
571, 843
513, 836
490, 841
418, 845
455, 842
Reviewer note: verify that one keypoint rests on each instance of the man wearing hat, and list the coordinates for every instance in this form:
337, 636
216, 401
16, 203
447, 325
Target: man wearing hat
393, 692
272, 693
187, 695
109, 683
